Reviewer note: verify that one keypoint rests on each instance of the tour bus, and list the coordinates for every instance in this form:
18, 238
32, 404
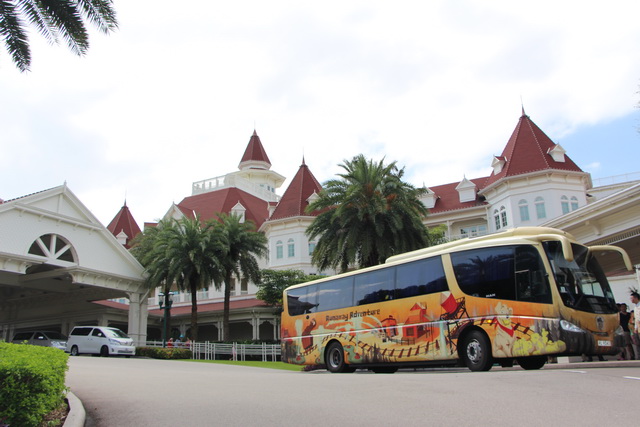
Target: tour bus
523, 294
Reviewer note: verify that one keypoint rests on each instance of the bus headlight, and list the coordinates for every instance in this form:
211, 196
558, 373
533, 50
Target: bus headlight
568, 326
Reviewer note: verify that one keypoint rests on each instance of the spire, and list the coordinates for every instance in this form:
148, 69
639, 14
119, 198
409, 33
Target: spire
124, 222
528, 150
296, 198
255, 157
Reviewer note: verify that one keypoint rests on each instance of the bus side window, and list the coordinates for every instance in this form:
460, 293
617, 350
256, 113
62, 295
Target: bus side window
376, 286
302, 300
422, 277
531, 279
335, 294
486, 272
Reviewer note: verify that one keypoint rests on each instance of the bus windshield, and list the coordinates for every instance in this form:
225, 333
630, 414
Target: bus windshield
582, 283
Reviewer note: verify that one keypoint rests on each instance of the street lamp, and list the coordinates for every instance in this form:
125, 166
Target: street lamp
168, 301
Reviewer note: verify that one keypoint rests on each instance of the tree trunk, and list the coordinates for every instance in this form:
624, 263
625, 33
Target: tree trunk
227, 299
194, 313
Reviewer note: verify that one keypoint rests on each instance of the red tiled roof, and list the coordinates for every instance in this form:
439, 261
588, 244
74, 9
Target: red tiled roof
527, 151
294, 200
448, 198
213, 306
123, 221
255, 151
209, 205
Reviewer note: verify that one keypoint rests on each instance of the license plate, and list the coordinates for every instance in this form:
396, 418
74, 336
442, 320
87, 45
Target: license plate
603, 343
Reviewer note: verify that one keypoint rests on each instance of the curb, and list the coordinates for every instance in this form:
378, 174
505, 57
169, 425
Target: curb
77, 414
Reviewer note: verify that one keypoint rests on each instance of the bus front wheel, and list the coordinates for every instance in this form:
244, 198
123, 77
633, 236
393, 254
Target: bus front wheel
476, 351
334, 359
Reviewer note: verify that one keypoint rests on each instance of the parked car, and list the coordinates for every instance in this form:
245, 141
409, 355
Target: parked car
99, 340
43, 338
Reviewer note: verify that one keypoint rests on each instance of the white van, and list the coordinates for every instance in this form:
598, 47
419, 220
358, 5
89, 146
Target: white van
99, 340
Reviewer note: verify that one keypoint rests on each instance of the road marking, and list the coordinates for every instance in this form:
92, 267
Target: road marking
632, 378
575, 372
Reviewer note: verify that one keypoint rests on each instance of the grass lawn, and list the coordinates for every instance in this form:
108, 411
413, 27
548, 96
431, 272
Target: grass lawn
257, 364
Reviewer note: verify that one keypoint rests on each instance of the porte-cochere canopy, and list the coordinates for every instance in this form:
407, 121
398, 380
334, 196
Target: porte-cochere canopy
56, 260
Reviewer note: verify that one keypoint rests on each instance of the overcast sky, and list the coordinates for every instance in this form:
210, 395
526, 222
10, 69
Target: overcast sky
174, 95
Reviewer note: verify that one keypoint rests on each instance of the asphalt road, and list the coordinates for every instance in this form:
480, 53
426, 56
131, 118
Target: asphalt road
145, 392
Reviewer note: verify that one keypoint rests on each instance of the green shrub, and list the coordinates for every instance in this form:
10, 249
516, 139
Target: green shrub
164, 353
31, 383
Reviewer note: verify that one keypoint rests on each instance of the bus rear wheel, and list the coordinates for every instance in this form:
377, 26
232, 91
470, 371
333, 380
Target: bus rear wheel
476, 351
334, 359
531, 363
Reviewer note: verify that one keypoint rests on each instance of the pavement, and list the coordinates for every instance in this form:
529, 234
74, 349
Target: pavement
77, 415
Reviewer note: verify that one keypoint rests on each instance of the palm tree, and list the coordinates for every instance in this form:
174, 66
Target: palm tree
150, 248
366, 216
54, 19
244, 244
185, 252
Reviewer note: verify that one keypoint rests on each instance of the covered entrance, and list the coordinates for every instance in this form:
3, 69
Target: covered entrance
57, 262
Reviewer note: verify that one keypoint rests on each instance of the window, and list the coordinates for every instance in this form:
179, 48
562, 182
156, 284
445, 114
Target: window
291, 248
303, 300
503, 216
312, 247
279, 254
540, 210
375, 286
524, 210
473, 230
421, 277
505, 272
54, 247
496, 218
574, 203
564, 202
335, 294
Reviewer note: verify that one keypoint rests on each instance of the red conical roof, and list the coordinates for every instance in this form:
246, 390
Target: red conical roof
123, 221
528, 151
294, 200
255, 151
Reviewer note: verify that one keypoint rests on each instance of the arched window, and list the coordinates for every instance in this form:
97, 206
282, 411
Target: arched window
312, 247
291, 248
524, 210
279, 247
53, 247
503, 216
540, 210
564, 202
574, 203
496, 218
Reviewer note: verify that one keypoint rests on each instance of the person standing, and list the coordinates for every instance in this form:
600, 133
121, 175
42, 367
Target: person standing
635, 333
626, 351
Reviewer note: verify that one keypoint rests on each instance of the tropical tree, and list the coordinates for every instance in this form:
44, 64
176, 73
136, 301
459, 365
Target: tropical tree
55, 20
366, 216
238, 260
274, 282
185, 252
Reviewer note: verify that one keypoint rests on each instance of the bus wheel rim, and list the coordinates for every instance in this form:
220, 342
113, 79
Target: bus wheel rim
474, 351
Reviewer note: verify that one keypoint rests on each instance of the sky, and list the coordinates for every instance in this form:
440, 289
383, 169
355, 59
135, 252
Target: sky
174, 95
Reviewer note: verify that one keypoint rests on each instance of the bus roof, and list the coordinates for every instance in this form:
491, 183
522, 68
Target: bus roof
508, 236
518, 232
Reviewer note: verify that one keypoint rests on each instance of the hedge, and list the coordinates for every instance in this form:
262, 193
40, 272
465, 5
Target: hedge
164, 353
31, 383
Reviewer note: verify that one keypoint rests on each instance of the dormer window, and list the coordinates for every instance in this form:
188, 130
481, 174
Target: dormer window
557, 153
429, 199
466, 190
497, 164
239, 210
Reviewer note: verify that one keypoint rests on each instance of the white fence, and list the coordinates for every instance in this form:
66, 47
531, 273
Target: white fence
215, 351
